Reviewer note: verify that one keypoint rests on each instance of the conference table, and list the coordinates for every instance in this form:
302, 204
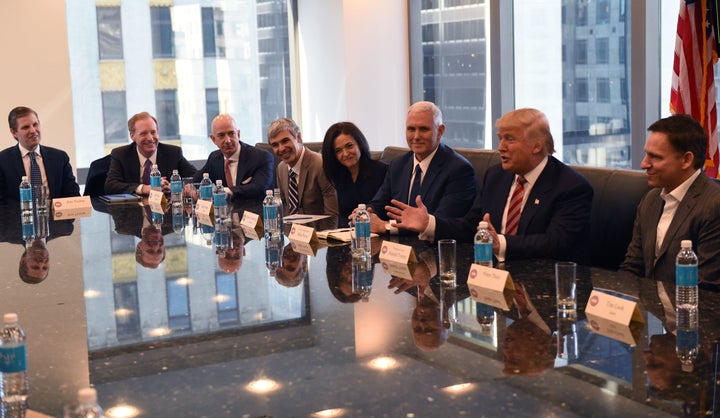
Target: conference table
266, 328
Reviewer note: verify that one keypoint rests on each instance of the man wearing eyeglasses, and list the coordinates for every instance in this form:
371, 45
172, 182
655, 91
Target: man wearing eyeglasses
246, 171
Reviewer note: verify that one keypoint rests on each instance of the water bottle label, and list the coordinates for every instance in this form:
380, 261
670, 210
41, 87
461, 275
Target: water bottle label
269, 212
484, 310
219, 200
362, 230
687, 339
206, 229
205, 192
176, 187
25, 194
28, 230
13, 358
154, 181
483, 252
686, 275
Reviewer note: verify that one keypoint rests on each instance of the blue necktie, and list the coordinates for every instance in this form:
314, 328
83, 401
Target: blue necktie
35, 175
415, 189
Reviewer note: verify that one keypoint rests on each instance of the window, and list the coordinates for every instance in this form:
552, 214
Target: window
602, 52
213, 32
602, 15
178, 303
581, 51
621, 50
227, 300
162, 33
603, 91
581, 18
431, 33
464, 30
167, 114
581, 90
127, 320
114, 117
109, 33
212, 106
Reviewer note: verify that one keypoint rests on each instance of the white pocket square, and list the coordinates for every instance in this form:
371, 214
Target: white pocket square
247, 180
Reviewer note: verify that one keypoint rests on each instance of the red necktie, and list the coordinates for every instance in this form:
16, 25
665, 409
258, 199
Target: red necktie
228, 173
515, 208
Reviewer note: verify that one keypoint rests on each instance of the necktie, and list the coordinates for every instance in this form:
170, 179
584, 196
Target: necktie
292, 193
228, 173
35, 175
415, 189
146, 172
513, 214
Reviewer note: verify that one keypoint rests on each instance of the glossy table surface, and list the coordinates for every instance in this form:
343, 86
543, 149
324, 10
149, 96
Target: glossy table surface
192, 337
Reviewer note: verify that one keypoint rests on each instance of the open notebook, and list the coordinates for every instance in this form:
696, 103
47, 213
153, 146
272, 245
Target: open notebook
340, 234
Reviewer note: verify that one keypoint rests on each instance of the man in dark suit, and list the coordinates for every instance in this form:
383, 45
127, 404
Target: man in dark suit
315, 194
127, 167
551, 217
446, 180
684, 204
245, 171
15, 162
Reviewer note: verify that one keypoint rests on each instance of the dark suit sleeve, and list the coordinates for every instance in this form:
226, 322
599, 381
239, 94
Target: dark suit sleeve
185, 167
115, 182
382, 197
69, 186
568, 227
197, 177
262, 175
634, 260
459, 191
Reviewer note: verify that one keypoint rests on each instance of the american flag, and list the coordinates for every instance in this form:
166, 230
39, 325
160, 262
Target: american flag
693, 83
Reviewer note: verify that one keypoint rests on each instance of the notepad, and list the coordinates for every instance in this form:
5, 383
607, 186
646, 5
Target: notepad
112, 199
340, 234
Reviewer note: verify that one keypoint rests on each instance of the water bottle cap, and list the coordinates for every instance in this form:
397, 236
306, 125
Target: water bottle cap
206, 175
687, 367
23, 178
686, 243
218, 182
361, 206
482, 224
10, 318
87, 395
175, 171
154, 166
268, 192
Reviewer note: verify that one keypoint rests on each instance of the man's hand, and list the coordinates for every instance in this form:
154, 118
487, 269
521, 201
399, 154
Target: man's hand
493, 232
409, 217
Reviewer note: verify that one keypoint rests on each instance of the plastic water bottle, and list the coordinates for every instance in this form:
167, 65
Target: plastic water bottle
178, 218
483, 245
270, 217
220, 205
273, 254
155, 180
362, 278
175, 187
87, 406
361, 243
686, 302
26, 209
206, 188
13, 367
279, 204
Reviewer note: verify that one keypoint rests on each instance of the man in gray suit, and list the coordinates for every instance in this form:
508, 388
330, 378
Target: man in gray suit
684, 204
315, 194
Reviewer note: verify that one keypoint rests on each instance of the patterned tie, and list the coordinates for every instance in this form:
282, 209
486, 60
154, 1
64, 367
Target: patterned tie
415, 189
292, 193
228, 173
513, 214
35, 175
146, 171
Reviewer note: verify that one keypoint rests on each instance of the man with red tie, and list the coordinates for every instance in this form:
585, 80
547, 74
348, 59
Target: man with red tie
536, 206
245, 171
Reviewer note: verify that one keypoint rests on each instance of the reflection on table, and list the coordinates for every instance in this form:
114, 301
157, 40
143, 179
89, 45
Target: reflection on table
255, 327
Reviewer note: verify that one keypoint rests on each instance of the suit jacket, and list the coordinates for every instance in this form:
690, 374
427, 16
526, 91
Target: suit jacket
254, 172
697, 218
124, 173
316, 195
58, 171
96, 176
554, 223
447, 190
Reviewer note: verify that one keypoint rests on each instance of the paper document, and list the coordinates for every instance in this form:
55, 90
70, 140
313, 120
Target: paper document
303, 219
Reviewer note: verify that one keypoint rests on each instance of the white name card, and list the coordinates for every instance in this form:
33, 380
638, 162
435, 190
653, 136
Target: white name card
402, 270
157, 201
612, 308
71, 207
614, 330
204, 212
302, 233
502, 299
307, 248
251, 222
397, 253
490, 278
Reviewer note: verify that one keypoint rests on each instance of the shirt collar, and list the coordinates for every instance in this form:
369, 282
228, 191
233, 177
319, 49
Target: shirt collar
679, 192
153, 158
425, 163
24, 151
298, 164
236, 155
532, 175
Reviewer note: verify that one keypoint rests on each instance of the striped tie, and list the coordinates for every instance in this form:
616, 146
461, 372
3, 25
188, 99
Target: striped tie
35, 175
292, 193
513, 214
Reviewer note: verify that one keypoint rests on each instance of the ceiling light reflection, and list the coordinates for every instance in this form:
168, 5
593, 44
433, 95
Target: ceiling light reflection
122, 411
457, 389
91, 294
183, 281
329, 413
261, 386
159, 332
383, 363
123, 312
220, 298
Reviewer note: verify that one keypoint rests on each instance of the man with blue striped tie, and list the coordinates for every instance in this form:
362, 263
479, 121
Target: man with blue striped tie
43, 165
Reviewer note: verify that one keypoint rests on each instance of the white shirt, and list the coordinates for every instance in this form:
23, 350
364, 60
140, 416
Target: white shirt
26, 163
672, 201
153, 159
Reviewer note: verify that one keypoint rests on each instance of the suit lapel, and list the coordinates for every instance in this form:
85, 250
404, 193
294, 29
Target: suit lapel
651, 221
241, 168
434, 168
406, 177
304, 168
681, 214
538, 193
17, 161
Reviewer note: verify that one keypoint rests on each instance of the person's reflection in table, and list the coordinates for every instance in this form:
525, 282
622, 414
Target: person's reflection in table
150, 251
35, 262
528, 348
339, 274
230, 260
293, 269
